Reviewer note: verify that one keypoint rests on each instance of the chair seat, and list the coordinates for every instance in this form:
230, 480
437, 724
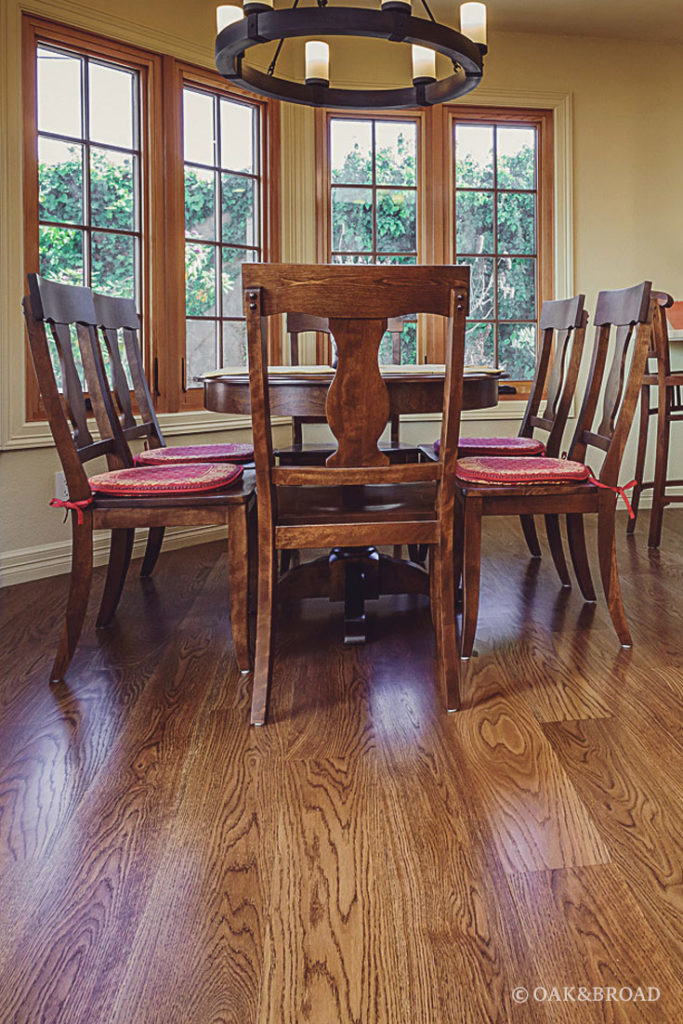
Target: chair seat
146, 481
196, 453
512, 471
472, 446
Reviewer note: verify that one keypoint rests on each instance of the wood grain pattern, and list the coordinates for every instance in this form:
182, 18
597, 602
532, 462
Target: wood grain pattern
364, 858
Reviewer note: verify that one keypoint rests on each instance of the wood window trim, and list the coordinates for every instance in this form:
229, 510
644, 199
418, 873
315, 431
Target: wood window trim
162, 195
37, 31
543, 120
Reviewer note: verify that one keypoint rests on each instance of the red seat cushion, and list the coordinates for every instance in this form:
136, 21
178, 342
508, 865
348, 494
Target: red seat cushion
196, 453
180, 479
515, 470
468, 446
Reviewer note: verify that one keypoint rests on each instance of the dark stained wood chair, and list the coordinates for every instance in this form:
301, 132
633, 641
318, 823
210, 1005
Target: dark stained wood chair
562, 327
490, 486
358, 497
146, 497
119, 329
668, 410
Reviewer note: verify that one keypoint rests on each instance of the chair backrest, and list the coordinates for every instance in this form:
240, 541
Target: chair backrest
60, 308
358, 301
660, 350
630, 312
120, 328
563, 331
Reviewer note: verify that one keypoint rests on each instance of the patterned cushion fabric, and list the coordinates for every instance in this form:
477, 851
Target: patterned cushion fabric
166, 480
196, 453
516, 470
468, 446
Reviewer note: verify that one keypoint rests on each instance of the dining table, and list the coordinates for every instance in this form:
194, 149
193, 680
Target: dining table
351, 575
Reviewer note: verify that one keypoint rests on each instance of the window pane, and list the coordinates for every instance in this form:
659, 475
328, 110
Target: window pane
479, 345
516, 222
516, 157
395, 152
200, 350
238, 210
232, 279
234, 343
61, 254
60, 177
351, 151
474, 222
352, 219
113, 264
482, 305
407, 345
403, 261
198, 127
112, 189
59, 93
516, 289
200, 280
200, 203
517, 350
473, 156
396, 221
237, 136
111, 105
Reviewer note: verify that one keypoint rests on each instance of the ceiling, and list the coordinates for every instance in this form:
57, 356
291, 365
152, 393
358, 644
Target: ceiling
619, 19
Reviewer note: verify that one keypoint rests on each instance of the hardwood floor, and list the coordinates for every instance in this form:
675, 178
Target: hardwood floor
365, 857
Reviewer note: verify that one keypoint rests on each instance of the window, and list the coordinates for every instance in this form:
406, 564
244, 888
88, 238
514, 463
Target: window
89, 172
501, 214
122, 148
373, 200
222, 226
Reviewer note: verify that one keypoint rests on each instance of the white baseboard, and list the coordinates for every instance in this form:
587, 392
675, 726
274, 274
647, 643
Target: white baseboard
26, 564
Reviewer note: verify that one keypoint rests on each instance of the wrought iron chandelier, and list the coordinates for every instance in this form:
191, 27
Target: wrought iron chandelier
258, 22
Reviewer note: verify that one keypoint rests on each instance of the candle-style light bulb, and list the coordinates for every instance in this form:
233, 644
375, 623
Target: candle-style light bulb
473, 22
227, 15
424, 64
317, 63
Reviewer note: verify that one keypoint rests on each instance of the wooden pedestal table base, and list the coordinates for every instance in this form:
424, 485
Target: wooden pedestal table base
354, 576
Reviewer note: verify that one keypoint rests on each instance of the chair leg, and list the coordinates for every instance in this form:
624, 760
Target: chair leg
265, 621
661, 464
119, 559
470, 574
607, 555
155, 539
530, 535
446, 623
79, 591
238, 575
552, 529
640, 456
579, 555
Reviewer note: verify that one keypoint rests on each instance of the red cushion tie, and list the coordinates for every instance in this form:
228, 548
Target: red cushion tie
621, 491
77, 506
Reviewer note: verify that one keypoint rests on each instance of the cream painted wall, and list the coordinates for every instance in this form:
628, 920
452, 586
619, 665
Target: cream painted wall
627, 141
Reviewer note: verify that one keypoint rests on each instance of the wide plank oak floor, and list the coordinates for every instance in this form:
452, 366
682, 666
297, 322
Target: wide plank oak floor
365, 858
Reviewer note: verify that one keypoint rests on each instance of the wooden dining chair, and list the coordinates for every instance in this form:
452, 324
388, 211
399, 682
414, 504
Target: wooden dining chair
668, 410
119, 330
124, 498
494, 486
358, 497
562, 327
